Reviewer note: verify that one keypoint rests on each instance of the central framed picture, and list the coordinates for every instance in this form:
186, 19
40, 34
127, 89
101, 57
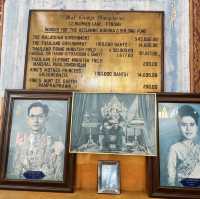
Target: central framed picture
175, 173
113, 123
35, 140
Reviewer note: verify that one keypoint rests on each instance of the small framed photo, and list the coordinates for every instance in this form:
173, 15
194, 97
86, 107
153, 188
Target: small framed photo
34, 142
175, 173
109, 177
114, 123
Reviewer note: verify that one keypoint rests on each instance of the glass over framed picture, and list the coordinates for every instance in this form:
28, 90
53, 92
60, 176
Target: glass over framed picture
176, 171
34, 142
109, 177
113, 123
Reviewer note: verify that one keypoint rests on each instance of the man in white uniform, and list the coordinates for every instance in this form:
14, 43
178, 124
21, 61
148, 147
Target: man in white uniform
36, 151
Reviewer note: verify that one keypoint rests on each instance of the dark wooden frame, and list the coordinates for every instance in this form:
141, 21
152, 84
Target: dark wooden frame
69, 159
195, 46
153, 169
108, 162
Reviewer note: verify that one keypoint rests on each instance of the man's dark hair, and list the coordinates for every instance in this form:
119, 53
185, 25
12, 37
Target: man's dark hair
187, 110
44, 107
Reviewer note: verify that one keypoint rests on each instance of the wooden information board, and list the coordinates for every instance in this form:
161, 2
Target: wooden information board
104, 51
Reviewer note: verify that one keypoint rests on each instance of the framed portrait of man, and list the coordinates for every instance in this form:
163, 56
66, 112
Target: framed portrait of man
113, 123
177, 166
34, 141
109, 177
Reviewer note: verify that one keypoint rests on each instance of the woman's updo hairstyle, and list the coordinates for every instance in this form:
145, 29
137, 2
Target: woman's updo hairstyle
187, 110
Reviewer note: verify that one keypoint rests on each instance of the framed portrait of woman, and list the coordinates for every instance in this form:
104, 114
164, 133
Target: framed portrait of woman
175, 173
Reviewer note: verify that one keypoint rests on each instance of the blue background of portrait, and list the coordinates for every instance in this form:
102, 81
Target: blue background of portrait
55, 126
